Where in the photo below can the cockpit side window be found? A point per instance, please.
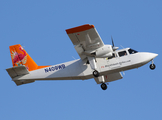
(131, 51)
(123, 53)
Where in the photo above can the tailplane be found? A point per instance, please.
(19, 71)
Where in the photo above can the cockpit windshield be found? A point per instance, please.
(131, 51)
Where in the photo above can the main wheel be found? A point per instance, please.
(152, 66)
(96, 73)
(103, 86)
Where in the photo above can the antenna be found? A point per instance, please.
(73, 58)
(122, 46)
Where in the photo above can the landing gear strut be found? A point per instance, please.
(96, 73)
(152, 66)
(103, 86)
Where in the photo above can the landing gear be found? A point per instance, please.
(103, 86)
(152, 66)
(96, 73)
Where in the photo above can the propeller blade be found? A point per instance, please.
(113, 46)
(112, 41)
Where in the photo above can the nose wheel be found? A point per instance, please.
(152, 66)
(103, 86)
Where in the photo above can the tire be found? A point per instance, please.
(96, 73)
(152, 66)
(103, 86)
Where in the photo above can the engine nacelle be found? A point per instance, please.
(105, 51)
(106, 55)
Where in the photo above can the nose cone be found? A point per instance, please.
(153, 55)
(147, 57)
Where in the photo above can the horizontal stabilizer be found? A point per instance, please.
(17, 71)
(20, 82)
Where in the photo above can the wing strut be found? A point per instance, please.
(92, 63)
(93, 66)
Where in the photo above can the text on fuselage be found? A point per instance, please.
(54, 68)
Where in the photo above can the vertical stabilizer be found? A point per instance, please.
(20, 57)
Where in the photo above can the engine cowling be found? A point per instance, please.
(105, 51)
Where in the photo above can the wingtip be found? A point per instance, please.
(79, 28)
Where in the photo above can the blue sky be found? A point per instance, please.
(39, 26)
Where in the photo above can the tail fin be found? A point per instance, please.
(20, 57)
(22, 64)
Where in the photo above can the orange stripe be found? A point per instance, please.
(39, 67)
(79, 28)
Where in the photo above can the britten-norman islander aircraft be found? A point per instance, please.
(99, 61)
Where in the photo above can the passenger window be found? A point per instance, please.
(123, 53)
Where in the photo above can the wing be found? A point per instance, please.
(85, 38)
(109, 78)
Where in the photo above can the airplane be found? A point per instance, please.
(97, 60)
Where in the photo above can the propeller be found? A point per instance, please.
(112, 41)
(113, 47)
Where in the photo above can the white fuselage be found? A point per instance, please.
(81, 70)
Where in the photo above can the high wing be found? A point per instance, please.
(85, 38)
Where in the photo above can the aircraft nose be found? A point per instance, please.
(153, 55)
